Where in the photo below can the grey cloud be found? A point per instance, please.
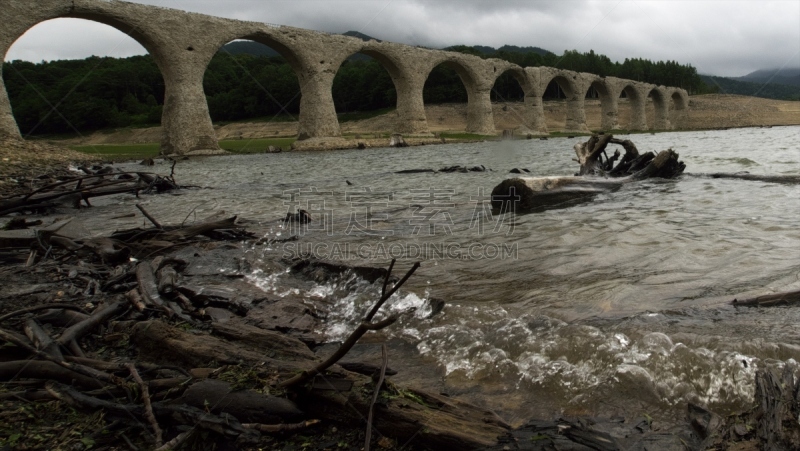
(720, 37)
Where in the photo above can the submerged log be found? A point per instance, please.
(595, 176)
(784, 179)
(770, 300)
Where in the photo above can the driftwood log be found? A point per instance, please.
(597, 174)
(72, 191)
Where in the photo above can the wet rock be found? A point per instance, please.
(237, 296)
(437, 305)
(704, 422)
(302, 217)
(323, 271)
(219, 260)
(218, 315)
(287, 315)
(519, 171)
(397, 141)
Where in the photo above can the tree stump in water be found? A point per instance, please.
(597, 174)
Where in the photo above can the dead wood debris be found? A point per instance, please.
(129, 293)
(76, 189)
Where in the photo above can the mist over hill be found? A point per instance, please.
(761, 83)
(785, 76)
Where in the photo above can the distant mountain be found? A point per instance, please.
(516, 49)
(360, 35)
(790, 76)
(757, 89)
(248, 48)
(257, 49)
(486, 50)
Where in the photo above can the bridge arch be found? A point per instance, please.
(657, 109)
(634, 117)
(478, 102)
(678, 107)
(186, 125)
(518, 117)
(410, 111)
(97, 93)
(22, 20)
(569, 84)
(608, 106)
(183, 52)
(314, 120)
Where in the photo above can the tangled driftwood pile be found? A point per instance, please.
(597, 174)
(141, 326)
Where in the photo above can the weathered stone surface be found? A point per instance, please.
(288, 315)
(183, 43)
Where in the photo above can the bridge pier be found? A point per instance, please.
(480, 118)
(661, 108)
(317, 110)
(677, 104)
(576, 114)
(609, 108)
(534, 113)
(185, 122)
(8, 125)
(411, 118)
(638, 103)
(183, 43)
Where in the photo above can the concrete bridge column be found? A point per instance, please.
(534, 105)
(609, 107)
(480, 119)
(661, 120)
(8, 125)
(185, 121)
(317, 110)
(411, 118)
(534, 113)
(638, 114)
(576, 114)
(16, 19)
(677, 104)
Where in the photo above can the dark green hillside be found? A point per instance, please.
(769, 90)
(790, 76)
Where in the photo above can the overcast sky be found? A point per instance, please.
(719, 37)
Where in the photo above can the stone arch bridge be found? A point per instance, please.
(183, 43)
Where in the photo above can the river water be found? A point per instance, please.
(615, 304)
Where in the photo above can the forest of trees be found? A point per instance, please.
(63, 97)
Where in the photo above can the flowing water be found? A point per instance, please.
(605, 306)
